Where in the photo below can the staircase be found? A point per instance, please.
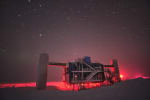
(91, 75)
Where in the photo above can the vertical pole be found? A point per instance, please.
(117, 73)
(42, 71)
(82, 72)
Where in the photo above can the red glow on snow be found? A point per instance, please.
(16, 85)
(141, 76)
(64, 86)
(125, 76)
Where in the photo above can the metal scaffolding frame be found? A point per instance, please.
(79, 72)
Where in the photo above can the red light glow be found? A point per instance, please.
(141, 76)
(64, 86)
(121, 76)
(16, 85)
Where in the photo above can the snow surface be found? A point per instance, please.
(135, 89)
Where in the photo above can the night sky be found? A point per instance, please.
(68, 29)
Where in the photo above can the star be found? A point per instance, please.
(18, 15)
(41, 35)
(40, 5)
(29, 1)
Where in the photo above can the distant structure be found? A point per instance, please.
(80, 72)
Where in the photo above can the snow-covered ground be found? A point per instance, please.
(135, 89)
